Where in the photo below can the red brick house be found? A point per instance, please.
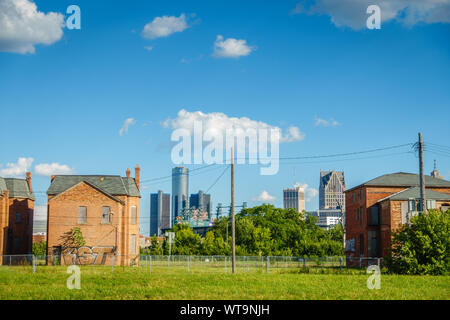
(105, 209)
(376, 208)
(16, 215)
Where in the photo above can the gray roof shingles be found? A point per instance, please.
(18, 188)
(414, 193)
(113, 185)
(402, 179)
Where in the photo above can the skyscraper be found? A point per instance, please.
(180, 192)
(331, 189)
(159, 212)
(294, 198)
(201, 201)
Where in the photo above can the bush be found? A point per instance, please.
(423, 247)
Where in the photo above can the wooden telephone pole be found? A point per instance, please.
(233, 222)
(423, 199)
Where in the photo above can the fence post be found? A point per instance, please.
(378, 262)
(189, 262)
(304, 262)
(34, 263)
(268, 264)
(150, 265)
(341, 262)
(112, 264)
(360, 262)
(225, 264)
(10, 261)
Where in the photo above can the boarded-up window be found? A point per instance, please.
(133, 244)
(133, 215)
(106, 214)
(374, 216)
(361, 245)
(82, 215)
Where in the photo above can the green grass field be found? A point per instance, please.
(98, 282)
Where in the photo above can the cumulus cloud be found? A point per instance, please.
(216, 123)
(352, 13)
(326, 123)
(127, 123)
(310, 193)
(231, 48)
(264, 197)
(48, 169)
(22, 26)
(17, 169)
(164, 26)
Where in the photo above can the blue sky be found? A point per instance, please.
(66, 102)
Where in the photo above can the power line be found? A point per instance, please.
(217, 180)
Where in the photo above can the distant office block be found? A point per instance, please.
(201, 201)
(331, 190)
(180, 192)
(294, 198)
(159, 212)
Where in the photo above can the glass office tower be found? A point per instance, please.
(159, 212)
(180, 192)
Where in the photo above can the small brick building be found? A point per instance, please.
(376, 208)
(105, 209)
(16, 215)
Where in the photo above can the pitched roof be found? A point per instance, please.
(113, 185)
(325, 177)
(414, 193)
(403, 179)
(18, 188)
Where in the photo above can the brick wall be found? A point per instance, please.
(63, 217)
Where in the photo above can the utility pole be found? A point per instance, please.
(233, 222)
(423, 199)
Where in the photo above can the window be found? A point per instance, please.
(82, 215)
(106, 214)
(361, 245)
(431, 204)
(412, 205)
(133, 215)
(356, 214)
(133, 244)
(18, 218)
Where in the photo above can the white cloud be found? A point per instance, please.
(326, 123)
(48, 169)
(216, 123)
(22, 26)
(231, 48)
(310, 193)
(164, 26)
(127, 123)
(18, 169)
(148, 48)
(352, 13)
(264, 197)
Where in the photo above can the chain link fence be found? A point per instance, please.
(187, 263)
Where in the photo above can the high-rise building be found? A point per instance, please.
(180, 192)
(331, 190)
(435, 173)
(159, 212)
(201, 201)
(294, 198)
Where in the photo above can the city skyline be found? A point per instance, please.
(108, 96)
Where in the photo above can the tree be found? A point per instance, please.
(72, 239)
(39, 248)
(422, 247)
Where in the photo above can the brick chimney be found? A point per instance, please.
(29, 181)
(52, 177)
(137, 176)
(128, 172)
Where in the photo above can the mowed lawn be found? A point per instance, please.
(138, 283)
